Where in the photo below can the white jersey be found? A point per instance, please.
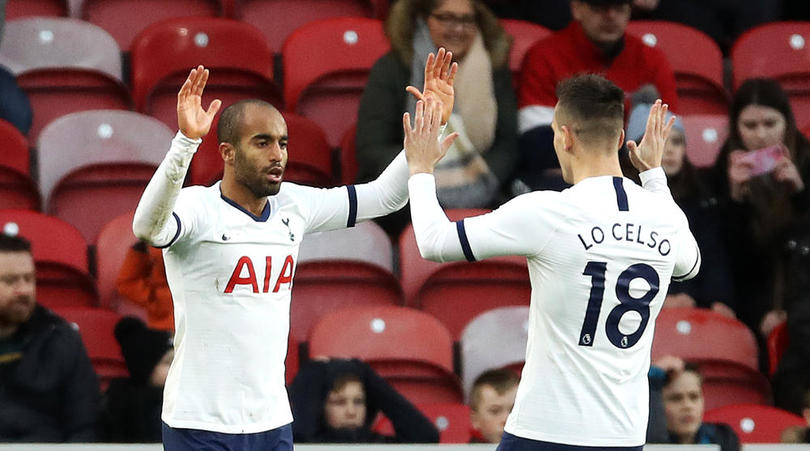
(600, 257)
(231, 274)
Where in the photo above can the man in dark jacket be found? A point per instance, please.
(48, 390)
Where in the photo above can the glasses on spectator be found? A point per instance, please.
(466, 21)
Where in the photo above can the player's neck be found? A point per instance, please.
(240, 194)
(595, 166)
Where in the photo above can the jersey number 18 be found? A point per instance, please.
(596, 270)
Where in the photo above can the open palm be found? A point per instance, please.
(195, 122)
(440, 74)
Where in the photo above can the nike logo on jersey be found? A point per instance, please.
(225, 237)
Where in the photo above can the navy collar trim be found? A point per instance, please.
(265, 212)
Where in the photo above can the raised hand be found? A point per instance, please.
(422, 147)
(440, 74)
(648, 153)
(195, 122)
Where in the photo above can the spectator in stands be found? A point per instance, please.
(482, 160)
(800, 434)
(723, 20)
(142, 280)
(661, 369)
(48, 390)
(683, 403)
(491, 399)
(132, 405)
(710, 289)
(762, 199)
(595, 42)
(15, 107)
(337, 400)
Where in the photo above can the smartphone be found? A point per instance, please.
(764, 160)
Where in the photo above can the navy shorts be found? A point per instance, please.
(174, 439)
(510, 442)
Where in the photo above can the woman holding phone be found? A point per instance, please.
(761, 176)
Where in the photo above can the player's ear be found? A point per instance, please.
(227, 151)
(568, 137)
(621, 139)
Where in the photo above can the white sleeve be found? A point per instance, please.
(687, 261)
(655, 180)
(153, 217)
(509, 230)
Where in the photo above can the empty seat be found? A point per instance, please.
(163, 54)
(409, 348)
(755, 423)
(124, 19)
(63, 65)
(348, 156)
(726, 382)
(705, 136)
(297, 13)
(702, 334)
(342, 268)
(777, 50)
(524, 34)
(96, 327)
(27, 8)
(111, 245)
(493, 339)
(451, 419)
(696, 60)
(326, 65)
(17, 189)
(98, 158)
(60, 255)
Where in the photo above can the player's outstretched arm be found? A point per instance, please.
(152, 216)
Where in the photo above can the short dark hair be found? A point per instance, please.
(688, 367)
(231, 119)
(594, 103)
(14, 243)
(501, 379)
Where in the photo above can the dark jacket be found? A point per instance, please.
(132, 413)
(311, 387)
(715, 433)
(48, 389)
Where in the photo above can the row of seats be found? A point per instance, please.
(124, 19)
(325, 64)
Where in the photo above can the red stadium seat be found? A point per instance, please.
(755, 423)
(342, 268)
(524, 34)
(309, 157)
(326, 65)
(696, 60)
(348, 156)
(701, 334)
(60, 255)
(17, 189)
(96, 327)
(705, 135)
(777, 341)
(27, 8)
(63, 65)
(726, 382)
(162, 55)
(112, 244)
(493, 339)
(409, 348)
(124, 19)
(95, 158)
(291, 362)
(451, 419)
(414, 270)
(778, 50)
(297, 13)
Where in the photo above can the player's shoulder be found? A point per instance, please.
(198, 193)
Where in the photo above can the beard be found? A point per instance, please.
(17, 310)
(255, 179)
